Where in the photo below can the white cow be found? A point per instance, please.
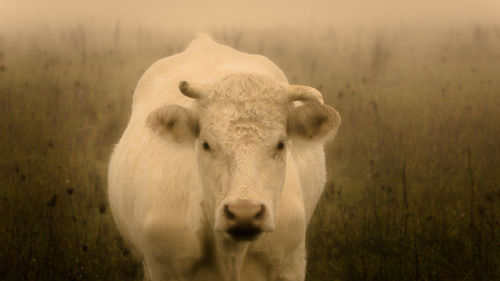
(220, 168)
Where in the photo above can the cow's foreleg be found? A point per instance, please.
(156, 270)
(146, 272)
(294, 269)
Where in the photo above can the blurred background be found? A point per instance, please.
(413, 189)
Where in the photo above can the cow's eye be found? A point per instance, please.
(206, 147)
(280, 145)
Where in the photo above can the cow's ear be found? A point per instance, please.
(175, 121)
(313, 121)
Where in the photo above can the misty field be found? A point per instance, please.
(414, 173)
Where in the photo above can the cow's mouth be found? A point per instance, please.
(244, 232)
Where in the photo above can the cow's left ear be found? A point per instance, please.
(175, 121)
(313, 121)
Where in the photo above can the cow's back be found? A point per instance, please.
(203, 61)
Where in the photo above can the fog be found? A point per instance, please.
(199, 15)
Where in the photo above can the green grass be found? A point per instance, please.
(414, 173)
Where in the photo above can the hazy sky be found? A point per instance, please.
(199, 14)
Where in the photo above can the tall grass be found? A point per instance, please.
(413, 190)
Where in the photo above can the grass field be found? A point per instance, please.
(414, 173)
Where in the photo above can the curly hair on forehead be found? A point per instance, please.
(245, 105)
(248, 86)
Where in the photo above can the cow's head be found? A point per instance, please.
(241, 128)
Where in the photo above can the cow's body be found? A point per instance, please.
(157, 196)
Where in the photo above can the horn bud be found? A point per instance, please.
(192, 90)
(304, 94)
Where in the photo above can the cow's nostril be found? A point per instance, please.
(261, 213)
(228, 214)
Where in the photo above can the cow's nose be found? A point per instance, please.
(243, 211)
(244, 219)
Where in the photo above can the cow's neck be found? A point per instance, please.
(230, 256)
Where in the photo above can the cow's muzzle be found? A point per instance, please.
(244, 219)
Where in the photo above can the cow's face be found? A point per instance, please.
(242, 154)
(242, 128)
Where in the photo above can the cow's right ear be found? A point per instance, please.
(175, 121)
